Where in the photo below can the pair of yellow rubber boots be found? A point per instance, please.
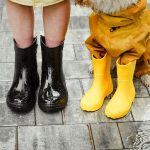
(102, 86)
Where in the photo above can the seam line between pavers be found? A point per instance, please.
(120, 136)
(91, 136)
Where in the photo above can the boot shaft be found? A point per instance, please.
(25, 56)
(26, 64)
(52, 58)
(125, 72)
(125, 75)
(101, 66)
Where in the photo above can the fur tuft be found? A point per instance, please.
(107, 6)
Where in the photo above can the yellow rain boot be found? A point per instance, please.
(120, 104)
(102, 85)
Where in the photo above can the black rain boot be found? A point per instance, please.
(53, 95)
(22, 94)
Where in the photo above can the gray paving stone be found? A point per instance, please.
(81, 52)
(54, 138)
(135, 135)
(141, 90)
(140, 109)
(148, 90)
(38, 25)
(39, 55)
(8, 54)
(76, 69)
(77, 36)
(8, 139)
(79, 22)
(106, 136)
(86, 84)
(74, 89)
(4, 16)
(68, 53)
(73, 114)
(1, 10)
(128, 133)
(7, 70)
(43, 118)
(142, 138)
(6, 41)
(9, 118)
(80, 11)
(38, 12)
(4, 26)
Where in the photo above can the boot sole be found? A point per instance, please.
(21, 109)
(122, 116)
(51, 109)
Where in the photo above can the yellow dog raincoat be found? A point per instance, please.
(125, 34)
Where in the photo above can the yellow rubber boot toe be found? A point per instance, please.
(119, 106)
(102, 85)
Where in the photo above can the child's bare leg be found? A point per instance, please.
(21, 19)
(56, 19)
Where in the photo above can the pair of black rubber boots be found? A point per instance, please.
(53, 95)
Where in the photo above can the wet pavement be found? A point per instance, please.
(70, 129)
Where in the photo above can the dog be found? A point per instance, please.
(110, 7)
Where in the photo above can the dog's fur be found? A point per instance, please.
(110, 7)
(107, 6)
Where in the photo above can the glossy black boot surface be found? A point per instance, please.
(22, 94)
(53, 95)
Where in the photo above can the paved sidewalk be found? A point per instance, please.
(71, 129)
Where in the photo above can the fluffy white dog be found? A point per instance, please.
(111, 6)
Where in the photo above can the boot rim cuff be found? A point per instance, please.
(42, 39)
(29, 47)
(99, 59)
(124, 66)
